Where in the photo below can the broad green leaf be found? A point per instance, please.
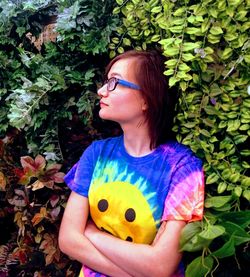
(190, 240)
(205, 133)
(199, 267)
(239, 234)
(217, 201)
(241, 218)
(226, 250)
(212, 232)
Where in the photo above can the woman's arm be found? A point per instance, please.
(159, 259)
(73, 242)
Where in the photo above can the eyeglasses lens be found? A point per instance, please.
(111, 84)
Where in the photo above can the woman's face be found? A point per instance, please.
(123, 104)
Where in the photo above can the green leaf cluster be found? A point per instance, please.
(42, 88)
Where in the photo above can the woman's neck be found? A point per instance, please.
(137, 140)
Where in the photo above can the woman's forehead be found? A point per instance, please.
(123, 68)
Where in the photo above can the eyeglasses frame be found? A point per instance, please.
(123, 83)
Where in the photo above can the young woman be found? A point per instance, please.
(133, 194)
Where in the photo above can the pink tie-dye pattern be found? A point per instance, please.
(185, 201)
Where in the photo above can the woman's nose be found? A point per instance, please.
(102, 91)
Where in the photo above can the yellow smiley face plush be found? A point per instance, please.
(121, 209)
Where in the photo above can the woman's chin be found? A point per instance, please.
(103, 115)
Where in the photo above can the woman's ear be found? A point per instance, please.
(144, 105)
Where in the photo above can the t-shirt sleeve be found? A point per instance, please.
(185, 199)
(79, 176)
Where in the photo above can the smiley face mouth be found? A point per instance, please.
(104, 230)
(127, 239)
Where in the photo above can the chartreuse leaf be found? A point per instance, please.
(217, 201)
(212, 232)
(212, 178)
(199, 267)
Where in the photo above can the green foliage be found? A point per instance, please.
(47, 99)
(207, 49)
(43, 87)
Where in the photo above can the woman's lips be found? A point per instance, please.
(102, 104)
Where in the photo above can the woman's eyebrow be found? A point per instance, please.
(114, 74)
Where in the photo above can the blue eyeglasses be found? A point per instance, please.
(113, 82)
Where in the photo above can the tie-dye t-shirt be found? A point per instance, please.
(130, 196)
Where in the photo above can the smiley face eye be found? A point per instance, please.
(129, 238)
(130, 215)
(103, 205)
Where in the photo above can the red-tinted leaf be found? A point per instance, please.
(54, 200)
(21, 254)
(58, 177)
(49, 184)
(38, 217)
(20, 193)
(25, 178)
(54, 167)
(18, 172)
(37, 185)
(34, 165)
(55, 212)
(28, 162)
(40, 162)
(2, 181)
(19, 200)
(50, 257)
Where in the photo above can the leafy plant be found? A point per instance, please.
(31, 208)
(47, 106)
(43, 87)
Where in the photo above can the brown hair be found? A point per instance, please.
(149, 68)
